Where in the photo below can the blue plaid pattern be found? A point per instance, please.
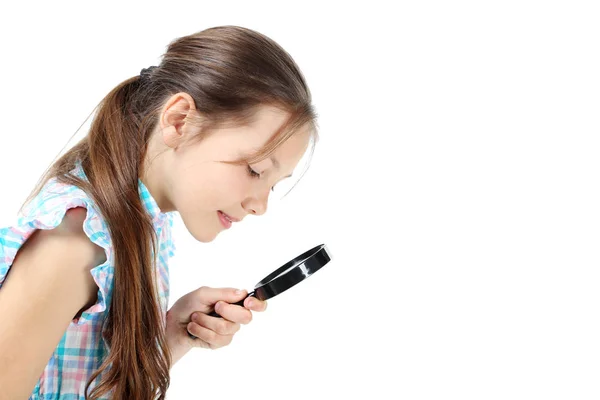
(82, 348)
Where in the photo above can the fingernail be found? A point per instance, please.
(217, 306)
(238, 292)
(194, 317)
(250, 303)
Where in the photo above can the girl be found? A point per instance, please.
(207, 133)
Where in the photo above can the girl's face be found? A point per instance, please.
(193, 179)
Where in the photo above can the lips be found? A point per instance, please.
(230, 218)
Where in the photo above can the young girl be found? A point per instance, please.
(83, 274)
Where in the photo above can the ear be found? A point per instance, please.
(175, 119)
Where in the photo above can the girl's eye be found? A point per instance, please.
(255, 174)
(252, 172)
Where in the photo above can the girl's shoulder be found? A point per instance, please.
(46, 211)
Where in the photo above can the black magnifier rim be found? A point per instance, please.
(307, 264)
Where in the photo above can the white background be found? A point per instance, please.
(455, 183)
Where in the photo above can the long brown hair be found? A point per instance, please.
(229, 71)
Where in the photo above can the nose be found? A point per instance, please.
(258, 204)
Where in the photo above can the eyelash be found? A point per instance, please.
(255, 174)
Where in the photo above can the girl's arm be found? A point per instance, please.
(47, 285)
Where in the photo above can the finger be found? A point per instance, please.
(212, 338)
(210, 296)
(219, 325)
(254, 304)
(233, 313)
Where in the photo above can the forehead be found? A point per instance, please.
(266, 123)
(234, 143)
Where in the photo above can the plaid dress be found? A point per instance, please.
(82, 348)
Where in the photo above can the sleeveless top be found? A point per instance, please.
(82, 348)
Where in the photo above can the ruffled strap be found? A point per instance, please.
(46, 211)
(171, 243)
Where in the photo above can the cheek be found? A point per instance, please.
(208, 190)
(196, 207)
(221, 190)
(198, 202)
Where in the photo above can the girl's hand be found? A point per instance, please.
(190, 314)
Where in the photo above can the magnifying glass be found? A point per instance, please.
(288, 275)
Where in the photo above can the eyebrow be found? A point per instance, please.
(276, 164)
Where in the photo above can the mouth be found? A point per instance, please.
(229, 217)
(226, 220)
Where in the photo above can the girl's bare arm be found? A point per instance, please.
(48, 284)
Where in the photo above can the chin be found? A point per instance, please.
(200, 234)
(204, 237)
